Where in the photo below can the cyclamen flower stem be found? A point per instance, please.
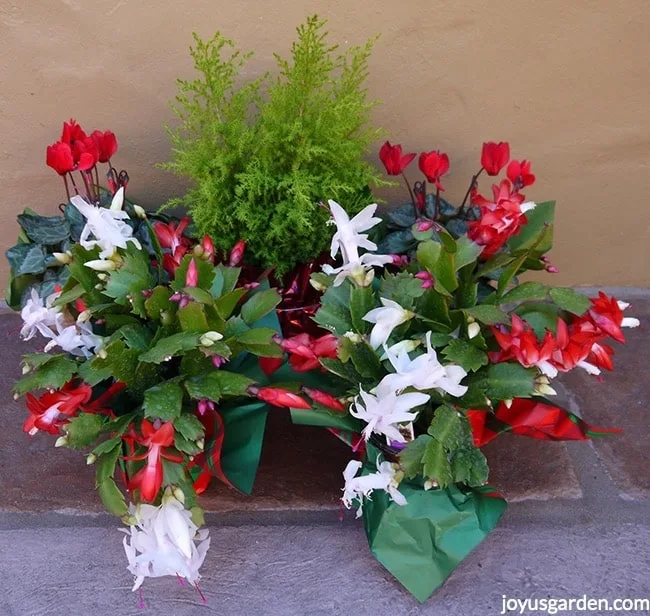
(74, 184)
(472, 184)
(436, 206)
(413, 201)
(67, 189)
(97, 181)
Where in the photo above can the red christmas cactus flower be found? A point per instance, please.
(519, 174)
(99, 404)
(521, 343)
(106, 143)
(322, 397)
(171, 261)
(606, 314)
(392, 158)
(279, 397)
(53, 410)
(170, 235)
(531, 418)
(150, 477)
(434, 165)
(305, 350)
(500, 219)
(495, 156)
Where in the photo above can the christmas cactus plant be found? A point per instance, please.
(427, 362)
(150, 358)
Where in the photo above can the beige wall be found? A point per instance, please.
(565, 81)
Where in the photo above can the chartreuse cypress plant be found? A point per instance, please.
(264, 154)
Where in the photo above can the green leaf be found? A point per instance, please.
(135, 335)
(105, 465)
(126, 284)
(215, 385)
(569, 300)
(35, 360)
(107, 446)
(466, 252)
(112, 498)
(83, 430)
(225, 280)
(450, 428)
(159, 302)
(171, 346)
(469, 466)
(542, 215)
(490, 315)
(436, 463)
(47, 230)
(434, 307)
(402, 288)
(163, 401)
(259, 341)
(497, 262)
(337, 367)
(410, 458)
(192, 318)
(510, 380)
(121, 361)
(465, 354)
(362, 301)
(26, 259)
(52, 374)
(189, 426)
(228, 302)
(199, 295)
(526, 291)
(70, 295)
(322, 279)
(365, 360)
(334, 313)
(259, 305)
(440, 263)
(93, 375)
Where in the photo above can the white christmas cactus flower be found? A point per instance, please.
(386, 319)
(77, 339)
(384, 413)
(163, 541)
(358, 488)
(627, 321)
(106, 225)
(424, 372)
(348, 239)
(38, 315)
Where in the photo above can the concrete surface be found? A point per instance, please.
(578, 521)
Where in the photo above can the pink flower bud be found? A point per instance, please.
(425, 225)
(551, 269)
(218, 361)
(400, 260)
(279, 397)
(192, 275)
(427, 279)
(208, 247)
(237, 253)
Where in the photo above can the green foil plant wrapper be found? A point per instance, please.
(422, 542)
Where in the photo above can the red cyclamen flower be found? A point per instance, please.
(106, 144)
(495, 156)
(392, 158)
(519, 174)
(434, 165)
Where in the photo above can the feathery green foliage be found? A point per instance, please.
(265, 154)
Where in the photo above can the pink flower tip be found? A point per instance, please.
(425, 225)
